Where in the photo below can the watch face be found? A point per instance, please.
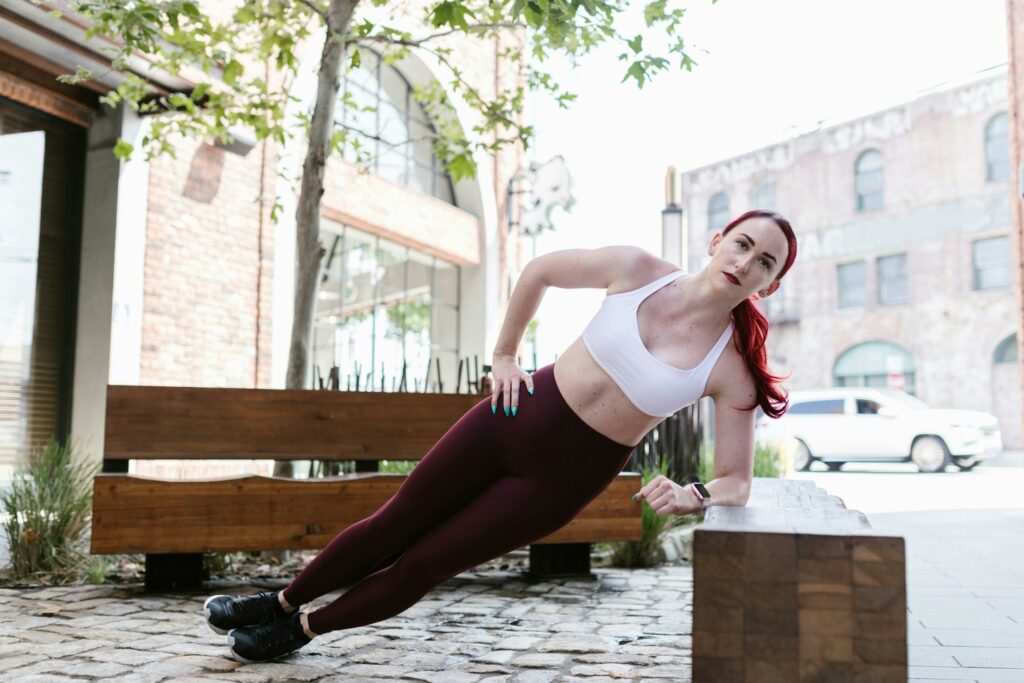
(701, 489)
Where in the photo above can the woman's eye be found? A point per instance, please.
(764, 262)
(741, 243)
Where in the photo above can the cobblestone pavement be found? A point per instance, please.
(490, 627)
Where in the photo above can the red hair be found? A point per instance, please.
(752, 328)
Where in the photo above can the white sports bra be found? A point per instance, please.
(654, 387)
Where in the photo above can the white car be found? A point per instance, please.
(849, 424)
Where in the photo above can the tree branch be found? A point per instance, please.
(417, 42)
(315, 8)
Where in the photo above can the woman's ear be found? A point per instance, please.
(769, 290)
(716, 239)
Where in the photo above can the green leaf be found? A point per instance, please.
(123, 149)
(232, 71)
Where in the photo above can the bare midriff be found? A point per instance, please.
(598, 401)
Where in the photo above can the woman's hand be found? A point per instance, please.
(506, 377)
(669, 498)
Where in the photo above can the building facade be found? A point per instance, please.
(173, 272)
(904, 277)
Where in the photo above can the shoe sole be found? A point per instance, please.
(206, 613)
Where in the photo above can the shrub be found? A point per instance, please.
(47, 512)
(646, 551)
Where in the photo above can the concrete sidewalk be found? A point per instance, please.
(965, 592)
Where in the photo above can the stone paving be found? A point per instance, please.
(491, 627)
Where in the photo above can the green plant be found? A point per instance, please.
(47, 512)
(644, 553)
(770, 460)
(398, 466)
(98, 568)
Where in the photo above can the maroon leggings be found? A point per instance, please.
(490, 485)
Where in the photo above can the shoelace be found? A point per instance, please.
(252, 606)
(273, 636)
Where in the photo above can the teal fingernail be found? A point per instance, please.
(530, 389)
(514, 410)
(494, 409)
(634, 496)
(506, 411)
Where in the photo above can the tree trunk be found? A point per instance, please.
(309, 252)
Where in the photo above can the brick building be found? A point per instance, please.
(172, 272)
(904, 276)
(1015, 47)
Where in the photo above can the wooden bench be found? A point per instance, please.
(173, 522)
(795, 587)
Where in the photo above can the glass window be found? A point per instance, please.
(1006, 352)
(826, 407)
(892, 279)
(991, 262)
(763, 197)
(718, 212)
(869, 177)
(381, 307)
(397, 138)
(875, 364)
(852, 284)
(997, 148)
(867, 407)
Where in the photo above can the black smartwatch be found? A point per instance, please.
(703, 494)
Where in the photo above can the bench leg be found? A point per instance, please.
(559, 561)
(174, 570)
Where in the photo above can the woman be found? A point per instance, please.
(498, 480)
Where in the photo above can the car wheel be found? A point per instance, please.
(966, 468)
(930, 454)
(835, 466)
(802, 458)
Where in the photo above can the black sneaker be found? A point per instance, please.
(266, 642)
(225, 612)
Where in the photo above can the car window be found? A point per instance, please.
(867, 407)
(824, 407)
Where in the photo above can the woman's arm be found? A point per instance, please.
(569, 269)
(734, 450)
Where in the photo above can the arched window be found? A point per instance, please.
(1006, 351)
(869, 180)
(398, 136)
(718, 212)
(875, 364)
(997, 147)
(763, 197)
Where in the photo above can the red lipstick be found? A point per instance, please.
(731, 278)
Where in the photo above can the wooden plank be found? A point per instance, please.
(137, 515)
(200, 423)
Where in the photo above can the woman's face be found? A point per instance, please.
(747, 260)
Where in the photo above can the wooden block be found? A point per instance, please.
(879, 598)
(717, 670)
(879, 573)
(880, 673)
(817, 570)
(838, 596)
(718, 566)
(770, 595)
(770, 622)
(879, 651)
(881, 625)
(717, 644)
(717, 593)
(826, 672)
(824, 547)
(717, 619)
(766, 545)
(707, 541)
(817, 648)
(758, 646)
(878, 548)
(826, 622)
(770, 671)
(767, 567)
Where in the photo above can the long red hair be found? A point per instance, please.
(752, 328)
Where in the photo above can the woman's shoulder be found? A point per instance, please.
(731, 378)
(644, 268)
